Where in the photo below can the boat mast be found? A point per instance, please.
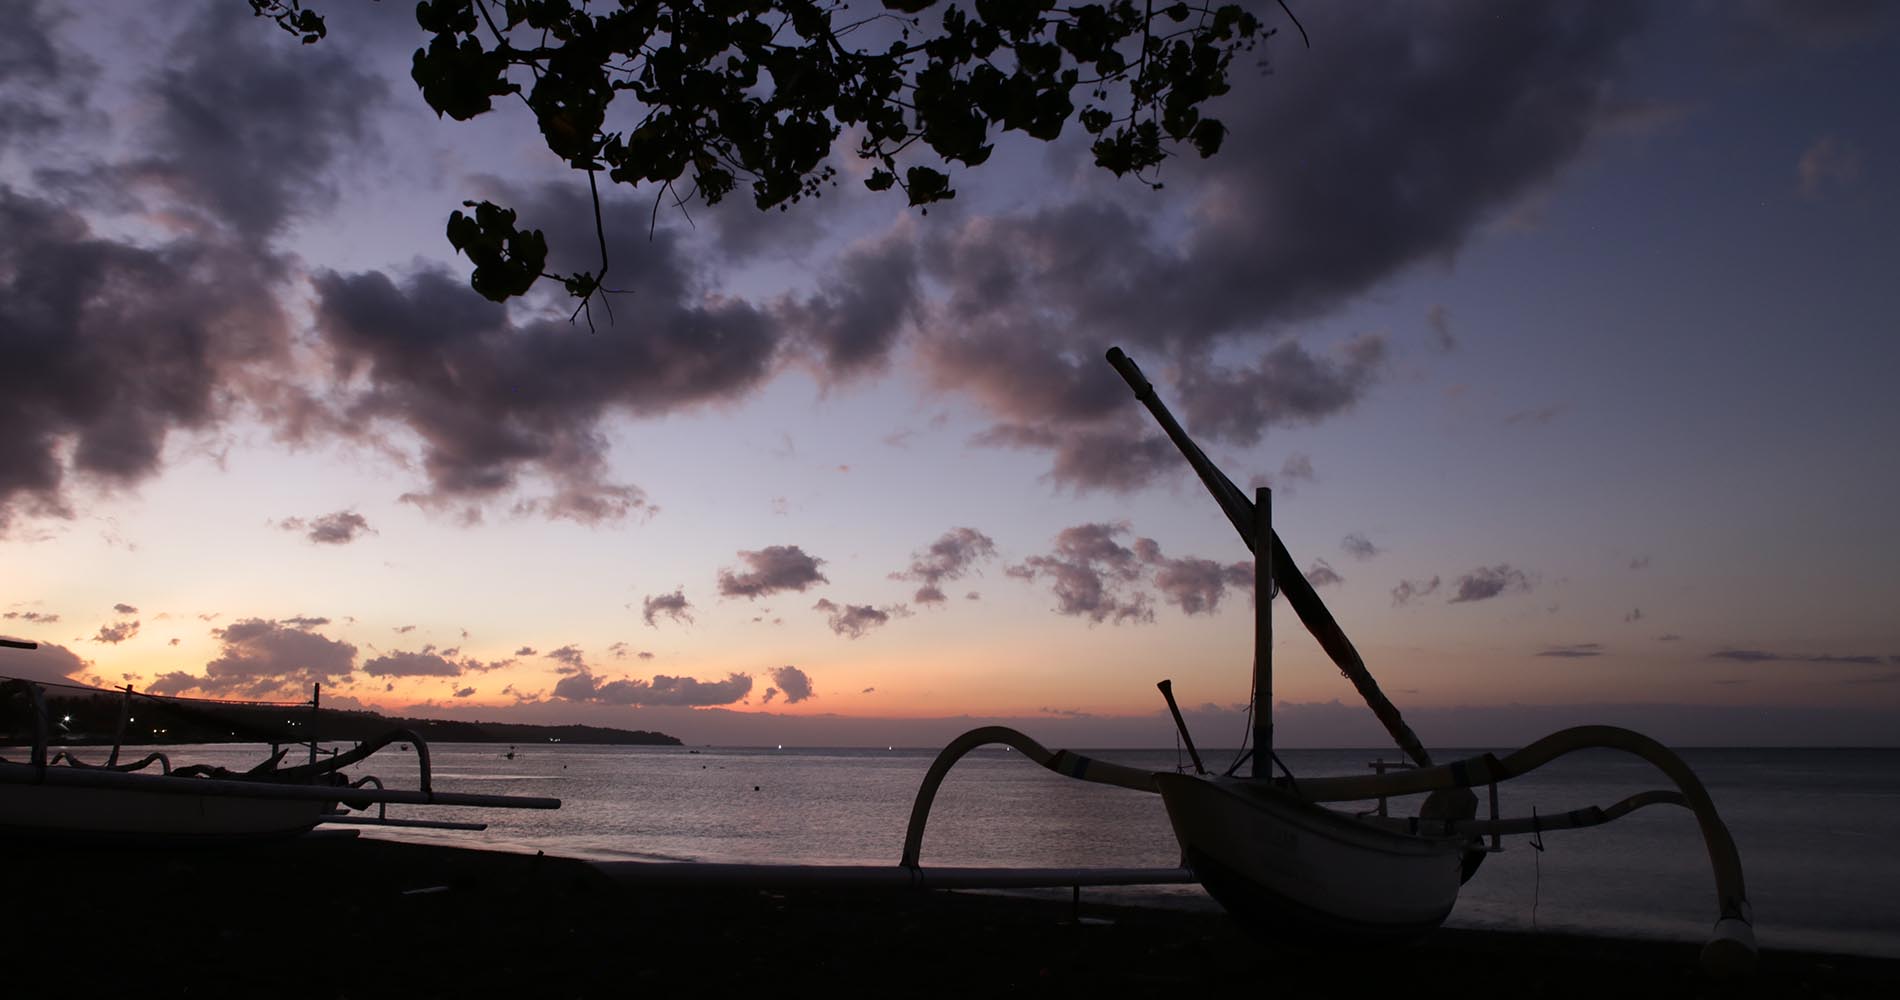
(1299, 593)
(1263, 636)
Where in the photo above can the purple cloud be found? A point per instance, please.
(423, 663)
(1090, 574)
(117, 632)
(948, 558)
(1574, 651)
(1322, 574)
(770, 570)
(1192, 584)
(338, 528)
(662, 690)
(793, 683)
(853, 620)
(1409, 590)
(673, 605)
(1359, 546)
(1486, 582)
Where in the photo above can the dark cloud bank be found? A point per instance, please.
(1416, 125)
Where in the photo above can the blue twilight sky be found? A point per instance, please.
(1564, 333)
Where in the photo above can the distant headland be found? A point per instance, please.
(93, 719)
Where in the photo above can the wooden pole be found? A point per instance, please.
(1263, 635)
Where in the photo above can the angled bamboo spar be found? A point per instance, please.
(1299, 593)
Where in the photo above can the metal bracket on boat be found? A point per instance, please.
(1730, 950)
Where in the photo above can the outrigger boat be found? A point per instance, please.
(1272, 852)
(55, 795)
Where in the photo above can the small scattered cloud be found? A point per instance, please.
(1193, 584)
(1359, 546)
(423, 663)
(645, 655)
(1574, 651)
(526, 651)
(337, 528)
(1091, 575)
(1438, 318)
(770, 570)
(1486, 582)
(125, 609)
(950, 557)
(1635, 615)
(1829, 165)
(1066, 713)
(619, 650)
(1411, 590)
(1765, 656)
(117, 632)
(1298, 467)
(570, 655)
(402, 629)
(464, 692)
(32, 617)
(853, 620)
(304, 621)
(1669, 637)
(1640, 562)
(869, 690)
(1893, 678)
(1539, 416)
(794, 683)
(673, 605)
(1322, 574)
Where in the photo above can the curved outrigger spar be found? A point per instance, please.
(1272, 853)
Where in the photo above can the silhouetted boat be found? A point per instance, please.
(1274, 854)
(55, 795)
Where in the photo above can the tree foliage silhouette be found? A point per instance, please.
(701, 96)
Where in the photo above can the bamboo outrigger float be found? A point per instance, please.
(1271, 852)
(56, 795)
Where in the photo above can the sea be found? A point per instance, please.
(1817, 829)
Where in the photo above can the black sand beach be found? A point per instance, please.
(338, 917)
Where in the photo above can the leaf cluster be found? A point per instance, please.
(700, 97)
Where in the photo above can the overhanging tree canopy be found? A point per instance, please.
(723, 92)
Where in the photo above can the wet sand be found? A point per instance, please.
(340, 917)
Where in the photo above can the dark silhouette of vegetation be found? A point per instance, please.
(725, 92)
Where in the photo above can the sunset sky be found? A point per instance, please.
(1565, 334)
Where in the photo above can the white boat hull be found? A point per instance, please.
(135, 816)
(1271, 859)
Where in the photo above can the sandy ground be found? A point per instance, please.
(340, 917)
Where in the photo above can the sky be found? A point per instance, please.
(1564, 335)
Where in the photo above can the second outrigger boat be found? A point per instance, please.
(55, 795)
(1272, 851)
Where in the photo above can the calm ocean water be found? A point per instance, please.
(1815, 828)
